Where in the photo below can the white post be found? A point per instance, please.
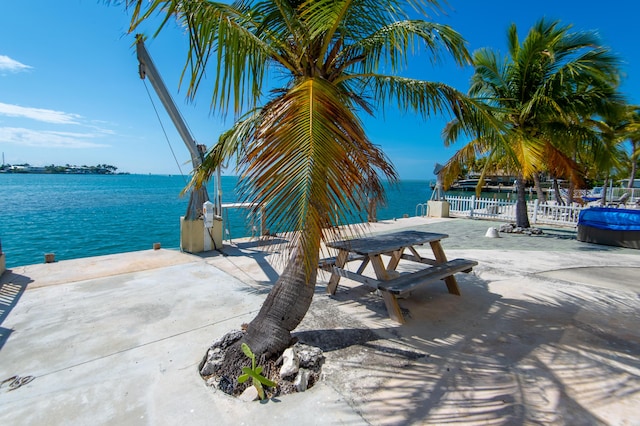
(536, 203)
(218, 196)
(473, 204)
(263, 224)
(208, 213)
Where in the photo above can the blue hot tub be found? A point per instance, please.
(610, 226)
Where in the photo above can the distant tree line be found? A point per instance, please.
(100, 169)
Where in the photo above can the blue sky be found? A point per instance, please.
(70, 91)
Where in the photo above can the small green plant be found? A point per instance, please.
(254, 372)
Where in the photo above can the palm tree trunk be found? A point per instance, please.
(197, 198)
(605, 184)
(572, 187)
(372, 215)
(286, 305)
(522, 217)
(634, 163)
(536, 182)
(556, 193)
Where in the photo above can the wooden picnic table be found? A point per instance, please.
(397, 246)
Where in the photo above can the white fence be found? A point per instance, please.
(505, 210)
(613, 194)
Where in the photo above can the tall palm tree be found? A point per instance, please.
(631, 132)
(601, 154)
(546, 85)
(303, 152)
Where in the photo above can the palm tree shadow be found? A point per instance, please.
(260, 251)
(558, 234)
(483, 357)
(12, 286)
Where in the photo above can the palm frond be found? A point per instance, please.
(231, 143)
(227, 34)
(389, 45)
(310, 162)
(453, 168)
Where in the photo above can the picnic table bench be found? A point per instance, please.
(389, 282)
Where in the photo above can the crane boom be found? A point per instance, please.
(148, 69)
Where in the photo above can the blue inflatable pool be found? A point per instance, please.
(610, 226)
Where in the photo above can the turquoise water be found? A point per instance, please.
(90, 215)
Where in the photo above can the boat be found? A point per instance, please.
(624, 183)
(465, 185)
(594, 194)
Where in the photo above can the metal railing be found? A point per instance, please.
(422, 209)
(505, 210)
(613, 194)
(255, 232)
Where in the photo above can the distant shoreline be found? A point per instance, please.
(100, 169)
(61, 173)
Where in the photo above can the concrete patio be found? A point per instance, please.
(545, 332)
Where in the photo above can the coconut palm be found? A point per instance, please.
(302, 150)
(541, 91)
(631, 132)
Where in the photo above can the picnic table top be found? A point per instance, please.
(385, 243)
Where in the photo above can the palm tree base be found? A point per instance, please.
(225, 359)
(510, 228)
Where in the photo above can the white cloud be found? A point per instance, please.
(8, 64)
(39, 114)
(48, 138)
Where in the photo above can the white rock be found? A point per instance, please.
(302, 380)
(310, 356)
(507, 227)
(492, 233)
(290, 363)
(249, 394)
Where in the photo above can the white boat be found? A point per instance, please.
(465, 185)
(594, 194)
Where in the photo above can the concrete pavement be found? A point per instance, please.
(545, 332)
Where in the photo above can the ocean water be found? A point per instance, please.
(77, 216)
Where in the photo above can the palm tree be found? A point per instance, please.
(303, 152)
(602, 152)
(545, 87)
(631, 132)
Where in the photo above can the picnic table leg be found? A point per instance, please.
(452, 284)
(395, 259)
(415, 254)
(390, 300)
(378, 267)
(393, 308)
(363, 265)
(341, 259)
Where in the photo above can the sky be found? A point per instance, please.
(70, 92)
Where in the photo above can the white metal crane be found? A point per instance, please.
(148, 69)
(197, 197)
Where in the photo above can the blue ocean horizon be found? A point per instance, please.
(76, 216)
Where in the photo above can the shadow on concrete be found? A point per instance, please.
(505, 352)
(12, 286)
(555, 357)
(264, 243)
(260, 252)
(339, 339)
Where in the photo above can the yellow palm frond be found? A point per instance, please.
(310, 163)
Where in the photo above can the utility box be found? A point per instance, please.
(195, 237)
(438, 208)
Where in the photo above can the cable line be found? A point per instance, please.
(165, 132)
